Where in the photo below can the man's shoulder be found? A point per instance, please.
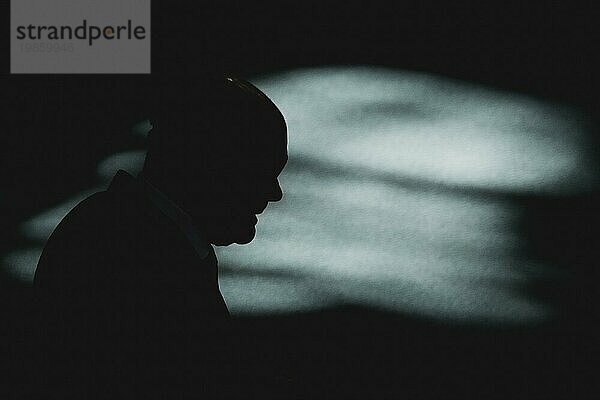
(120, 204)
(97, 203)
(73, 239)
(102, 227)
(101, 209)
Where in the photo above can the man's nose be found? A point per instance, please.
(276, 193)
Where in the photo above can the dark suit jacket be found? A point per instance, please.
(127, 292)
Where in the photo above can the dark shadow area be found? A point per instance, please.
(353, 351)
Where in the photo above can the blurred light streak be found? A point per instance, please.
(20, 264)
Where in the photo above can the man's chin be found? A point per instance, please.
(239, 238)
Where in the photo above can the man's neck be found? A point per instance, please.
(176, 214)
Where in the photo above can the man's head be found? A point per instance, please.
(220, 161)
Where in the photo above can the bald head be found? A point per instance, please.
(219, 158)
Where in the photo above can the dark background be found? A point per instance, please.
(542, 49)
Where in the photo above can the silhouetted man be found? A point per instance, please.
(130, 273)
